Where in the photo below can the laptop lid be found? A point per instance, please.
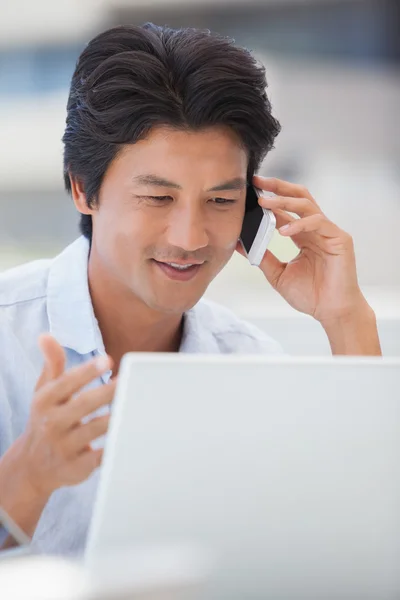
(283, 471)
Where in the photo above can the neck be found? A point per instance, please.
(125, 322)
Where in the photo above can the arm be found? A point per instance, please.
(17, 497)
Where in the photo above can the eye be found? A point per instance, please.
(155, 199)
(222, 201)
(159, 198)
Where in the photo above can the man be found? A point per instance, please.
(165, 129)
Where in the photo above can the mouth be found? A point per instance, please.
(178, 271)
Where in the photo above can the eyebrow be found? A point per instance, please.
(238, 183)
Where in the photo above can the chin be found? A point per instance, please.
(171, 307)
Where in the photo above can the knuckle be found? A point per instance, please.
(100, 425)
(63, 451)
(348, 239)
(77, 378)
(38, 407)
(109, 391)
(89, 462)
(47, 394)
(49, 426)
(88, 371)
(92, 399)
(96, 458)
(41, 397)
(304, 191)
(99, 458)
(319, 218)
(273, 181)
(308, 202)
(331, 245)
(105, 392)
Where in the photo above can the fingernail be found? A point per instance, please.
(102, 363)
(284, 227)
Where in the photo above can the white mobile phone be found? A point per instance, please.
(258, 227)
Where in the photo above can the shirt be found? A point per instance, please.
(52, 295)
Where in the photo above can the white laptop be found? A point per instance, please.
(280, 474)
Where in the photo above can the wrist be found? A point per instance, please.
(357, 316)
(355, 333)
(22, 500)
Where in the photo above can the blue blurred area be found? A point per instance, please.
(31, 70)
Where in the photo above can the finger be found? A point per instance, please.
(282, 188)
(282, 217)
(270, 265)
(54, 359)
(317, 223)
(72, 381)
(88, 461)
(79, 438)
(272, 268)
(300, 206)
(82, 405)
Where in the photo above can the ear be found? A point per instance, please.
(79, 196)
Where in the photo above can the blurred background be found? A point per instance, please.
(333, 69)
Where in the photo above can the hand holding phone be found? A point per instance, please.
(258, 227)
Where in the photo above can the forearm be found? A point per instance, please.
(17, 497)
(355, 335)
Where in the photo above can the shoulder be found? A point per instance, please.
(232, 334)
(24, 283)
(16, 383)
(23, 315)
(23, 311)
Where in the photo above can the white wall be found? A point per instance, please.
(297, 333)
(27, 21)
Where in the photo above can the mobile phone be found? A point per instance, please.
(258, 227)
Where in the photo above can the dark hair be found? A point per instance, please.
(130, 78)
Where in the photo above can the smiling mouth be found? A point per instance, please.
(179, 271)
(180, 266)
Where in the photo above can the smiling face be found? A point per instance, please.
(175, 197)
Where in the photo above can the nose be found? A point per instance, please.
(187, 229)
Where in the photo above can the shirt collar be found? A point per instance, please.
(69, 306)
(70, 311)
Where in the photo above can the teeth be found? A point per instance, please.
(180, 267)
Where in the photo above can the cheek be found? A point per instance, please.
(226, 232)
(230, 247)
(126, 225)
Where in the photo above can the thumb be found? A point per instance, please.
(272, 268)
(54, 359)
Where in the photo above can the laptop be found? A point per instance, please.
(279, 475)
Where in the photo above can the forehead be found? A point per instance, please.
(205, 152)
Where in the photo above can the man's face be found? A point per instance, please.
(175, 197)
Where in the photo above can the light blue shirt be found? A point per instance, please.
(53, 296)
